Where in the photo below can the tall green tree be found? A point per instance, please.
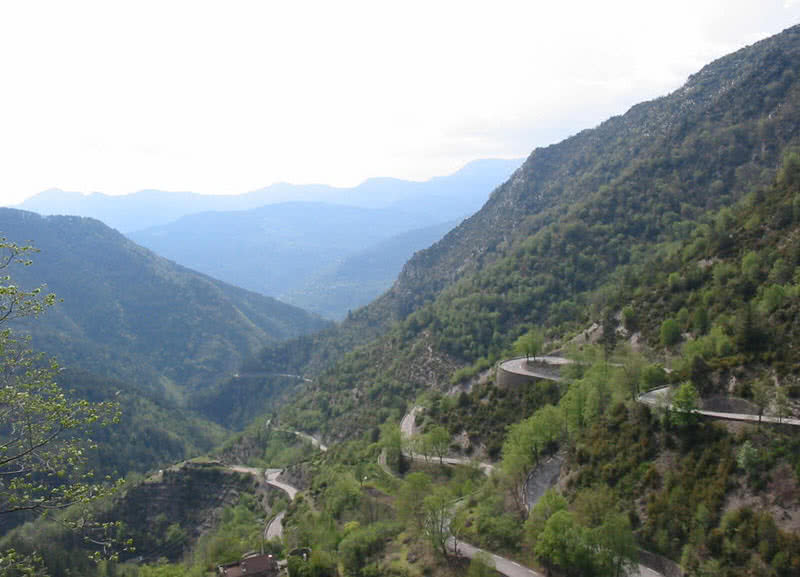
(437, 507)
(530, 344)
(670, 333)
(411, 496)
(762, 394)
(44, 432)
(391, 440)
(684, 403)
(439, 441)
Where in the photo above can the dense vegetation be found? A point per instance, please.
(558, 244)
(129, 314)
(676, 228)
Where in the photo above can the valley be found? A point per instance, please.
(593, 371)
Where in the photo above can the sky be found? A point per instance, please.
(227, 97)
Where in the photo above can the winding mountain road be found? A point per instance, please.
(661, 397)
(654, 397)
(272, 478)
(275, 526)
(505, 566)
(538, 486)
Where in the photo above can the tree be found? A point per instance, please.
(747, 457)
(391, 440)
(608, 337)
(547, 506)
(761, 396)
(530, 344)
(562, 543)
(633, 364)
(42, 457)
(750, 337)
(629, 320)
(420, 445)
(670, 333)
(44, 433)
(782, 406)
(525, 442)
(684, 401)
(701, 321)
(439, 442)
(437, 519)
(410, 497)
(616, 546)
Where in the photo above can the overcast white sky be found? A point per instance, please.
(226, 97)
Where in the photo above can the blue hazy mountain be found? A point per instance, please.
(278, 248)
(466, 190)
(361, 277)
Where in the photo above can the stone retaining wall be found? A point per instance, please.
(507, 379)
(666, 567)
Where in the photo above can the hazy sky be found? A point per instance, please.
(225, 97)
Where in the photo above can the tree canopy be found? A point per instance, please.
(44, 432)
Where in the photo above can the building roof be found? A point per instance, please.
(253, 566)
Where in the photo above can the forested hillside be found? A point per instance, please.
(555, 244)
(130, 314)
(660, 251)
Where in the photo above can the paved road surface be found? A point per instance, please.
(503, 565)
(487, 468)
(312, 439)
(653, 397)
(661, 396)
(248, 470)
(275, 527)
(544, 476)
(522, 367)
(408, 426)
(272, 479)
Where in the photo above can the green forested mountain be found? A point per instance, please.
(130, 314)
(557, 243)
(678, 221)
(152, 431)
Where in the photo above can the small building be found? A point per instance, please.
(251, 565)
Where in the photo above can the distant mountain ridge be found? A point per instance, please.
(147, 208)
(280, 249)
(129, 314)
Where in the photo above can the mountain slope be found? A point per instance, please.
(276, 248)
(701, 146)
(364, 276)
(130, 314)
(553, 245)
